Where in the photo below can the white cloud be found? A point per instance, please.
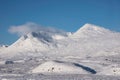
(32, 27)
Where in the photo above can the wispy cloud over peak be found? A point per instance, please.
(32, 27)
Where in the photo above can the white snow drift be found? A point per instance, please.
(62, 68)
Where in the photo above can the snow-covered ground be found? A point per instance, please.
(59, 77)
(60, 67)
(92, 53)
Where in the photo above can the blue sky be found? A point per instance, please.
(68, 15)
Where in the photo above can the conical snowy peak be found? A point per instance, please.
(92, 27)
(34, 42)
(89, 30)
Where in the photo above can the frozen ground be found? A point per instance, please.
(21, 70)
(58, 77)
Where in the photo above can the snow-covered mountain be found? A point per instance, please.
(90, 30)
(34, 42)
(91, 40)
(89, 50)
(88, 41)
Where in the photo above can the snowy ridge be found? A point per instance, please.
(90, 30)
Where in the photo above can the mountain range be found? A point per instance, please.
(89, 40)
(83, 47)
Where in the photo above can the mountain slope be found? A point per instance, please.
(2, 47)
(88, 41)
(91, 40)
(90, 30)
(34, 42)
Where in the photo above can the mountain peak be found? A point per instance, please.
(89, 30)
(92, 27)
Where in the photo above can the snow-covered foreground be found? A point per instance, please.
(66, 69)
(59, 77)
(61, 67)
